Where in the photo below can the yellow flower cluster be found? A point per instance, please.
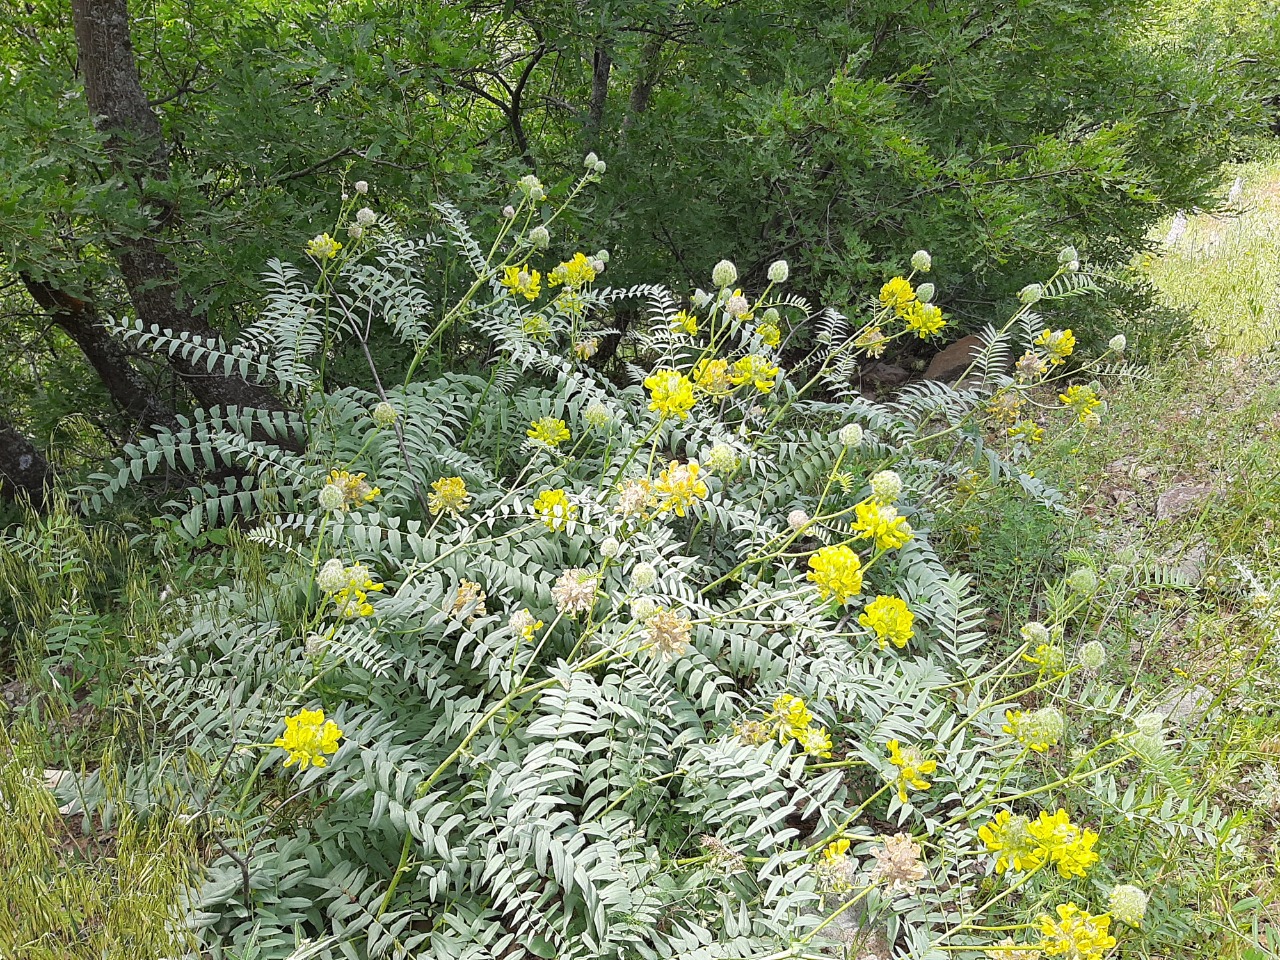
(1027, 431)
(711, 376)
(323, 247)
(353, 599)
(670, 393)
(792, 720)
(1029, 844)
(770, 334)
(890, 619)
(1081, 401)
(1076, 934)
(308, 736)
(554, 508)
(897, 295)
(1058, 344)
(574, 273)
(912, 768)
(522, 282)
(448, 495)
(549, 431)
(355, 489)
(686, 321)
(923, 319)
(678, 487)
(837, 570)
(880, 522)
(756, 370)
(872, 340)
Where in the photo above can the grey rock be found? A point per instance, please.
(1183, 499)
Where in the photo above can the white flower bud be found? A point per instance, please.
(1117, 343)
(643, 576)
(332, 497)
(355, 231)
(850, 435)
(1067, 254)
(384, 414)
(886, 486)
(724, 273)
(720, 458)
(590, 160)
(642, 608)
(1073, 266)
(779, 270)
(610, 547)
(529, 185)
(362, 187)
(1031, 293)
(1035, 633)
(797, 519)
(597, 266)
(700, 299)
(600, 166)
(925, 292)
(509, 212)
(540, 237)
(1083, 580)
(332, 576)
(1150, 724)
(1093, 655)
(602, 256)
(921, 261)
(736, 305)
(1128, 904)
(365, 217)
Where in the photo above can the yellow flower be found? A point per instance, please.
(1031, 366)
(791, 715)
(573, 273)
(890, 619)
(1027, 431)
(1076, 934)
(536, 327)
(308, 736)
(872, 340)
(711, 376)
(769, 334)
(323, 247)
(1005, 405)
(795, 722)
(352, 600)
(837, 570)
(1007, 834)
(686, 321)
(670, 393)
(1039, 730)
(756, 370)
(1080, 400)
(897, 293)
(550, 431)
(923, 319)
(355, 490)
(881, 523)
(678, 487)
(1058, 344)
(912, 768)
(1068, 846)
(1049, 658)
(522, 281)
(837, 848)
(555, 509)
(448, 495)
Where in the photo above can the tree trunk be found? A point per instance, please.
(135, 143)
(130, 392)
(24, 472)
(601, 67)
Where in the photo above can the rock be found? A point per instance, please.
(953, 360)
(1186, 707)
(1182, 499)
(885, 373)
(1187, 563)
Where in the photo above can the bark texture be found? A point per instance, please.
(136, 145)
(25, 474)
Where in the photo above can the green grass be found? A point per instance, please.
(1210, 415)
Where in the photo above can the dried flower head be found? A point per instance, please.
(668, 632)
(898, 864)
(468, 602)
(574, 592)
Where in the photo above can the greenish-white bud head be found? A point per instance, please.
(724, 274)
(921, 262)
(925, 292)
(850, 435)
(540, 237)
(779, 270)
(1031, 293)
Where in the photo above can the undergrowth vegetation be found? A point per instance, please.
(543, 663)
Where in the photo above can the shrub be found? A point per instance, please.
(539, 663)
